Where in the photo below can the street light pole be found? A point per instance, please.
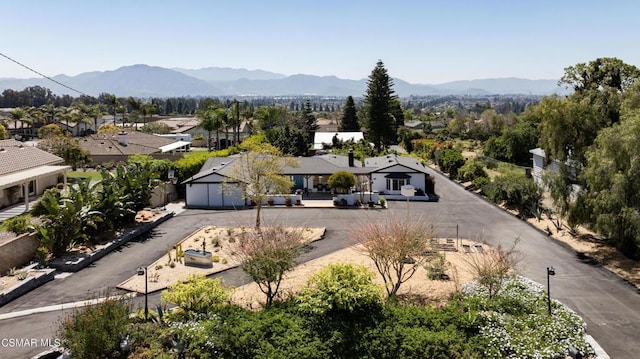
(142, 271)
(550, 272)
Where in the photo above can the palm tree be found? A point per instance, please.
(148, 109)
(19, 114)
(247, 113)
(136, 108)
(95, 112)
(49, 113)
(114, 104)
(211, 121)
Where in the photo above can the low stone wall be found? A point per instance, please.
(38, 278)
(18, 251)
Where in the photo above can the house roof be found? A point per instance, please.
(20, 177)
(383, 162)
(313, 166)
(538, 152)
(136, 143)
(16, 157)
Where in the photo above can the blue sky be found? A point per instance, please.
(419, 41)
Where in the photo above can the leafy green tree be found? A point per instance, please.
(68, 149)
(349, 122)
(601, 84)
(342, 181)
(3, 132)
(94, 331)
(50, 130)
(267, 254)
(450, 160)
(516, 191)
(340, 287)
(396, 246)
(472, 168)
(611, 196)
(197, 295)
(378, 106)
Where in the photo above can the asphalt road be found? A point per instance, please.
(610, 307)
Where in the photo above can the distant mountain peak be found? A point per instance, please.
(142, 80)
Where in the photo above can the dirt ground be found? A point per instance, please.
(420, 289)
(220, 241)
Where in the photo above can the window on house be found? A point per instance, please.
(395, 184)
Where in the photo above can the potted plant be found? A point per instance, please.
(270, 201)
(288, 202)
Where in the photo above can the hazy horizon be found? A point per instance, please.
(421, 42)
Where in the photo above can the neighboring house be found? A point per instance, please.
(540, 165)
(189, 125)
(27, 171)
(118, 147)
(320, 139)
(83, 129)
(386, 174)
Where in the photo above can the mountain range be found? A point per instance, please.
(145, 81)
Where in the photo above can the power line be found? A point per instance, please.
(43, 75)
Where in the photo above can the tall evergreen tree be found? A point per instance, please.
(378, 102)
(349, 121)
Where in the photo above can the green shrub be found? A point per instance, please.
(342, 181)
(197, 295)
(94, 331)
(471, 170)
(480, 182)
(340, 287)
(450, 160)
(19, 224)
(517, 191)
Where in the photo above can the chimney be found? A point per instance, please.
(123, 138)
(351, 158)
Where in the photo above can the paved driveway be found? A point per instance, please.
(610, 307)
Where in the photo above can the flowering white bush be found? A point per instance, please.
(517, 325)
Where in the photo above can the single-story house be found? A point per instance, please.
(384, 175)
(118, 147)
(320, 139)
(189, 125)
(27, 171)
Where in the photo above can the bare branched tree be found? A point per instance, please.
(260, 172)
(494, 267)
(398, 247)
(268, 253)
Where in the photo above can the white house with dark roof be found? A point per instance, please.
(27, 171)
(391, 172)
(384, 174)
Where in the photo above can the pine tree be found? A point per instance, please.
(349, 121)
(378, 101)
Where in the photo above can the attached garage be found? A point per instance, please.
(209, 189)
